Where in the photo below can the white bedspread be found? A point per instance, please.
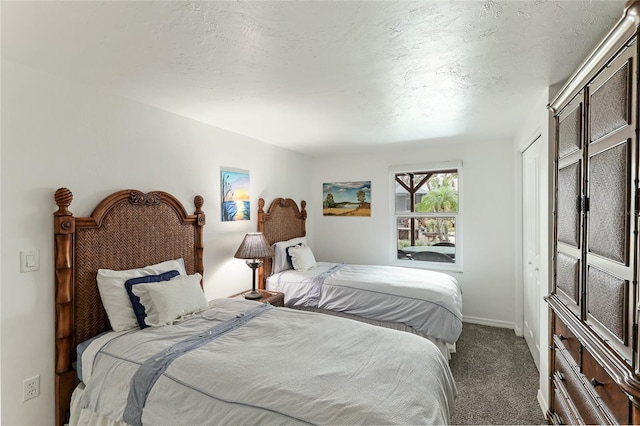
(283, 366)
(428, 301)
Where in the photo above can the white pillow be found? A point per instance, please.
(302, 258)
(167, 301)
(280, 249)
(114, 295)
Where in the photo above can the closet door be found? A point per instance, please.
(569, 199)
(609, 305)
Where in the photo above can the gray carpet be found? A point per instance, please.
(496, 378)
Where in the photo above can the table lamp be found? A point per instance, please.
(254, 248)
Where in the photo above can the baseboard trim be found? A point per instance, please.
(493, 323)
(543, 403)
(519, 332)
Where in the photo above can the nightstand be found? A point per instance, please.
(275, 298)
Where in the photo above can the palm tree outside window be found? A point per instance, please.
(427, 215)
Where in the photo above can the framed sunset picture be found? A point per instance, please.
(236, 202)
(346, 198)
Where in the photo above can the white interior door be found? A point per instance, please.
(532, 185)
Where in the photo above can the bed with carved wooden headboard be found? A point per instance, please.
(128, 229)
(218, 361)
(423, 302)
(283, 221)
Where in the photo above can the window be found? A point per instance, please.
(426, 216)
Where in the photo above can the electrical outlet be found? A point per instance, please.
(30, 388)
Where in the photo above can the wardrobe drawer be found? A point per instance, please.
(612, 396)
(576, 387)
(568, 340)
(564, 412)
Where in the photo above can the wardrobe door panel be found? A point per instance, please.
(570, 132)
(610, 104)
(568, 281)
(607, 303)
(568, 202)
(609, 203)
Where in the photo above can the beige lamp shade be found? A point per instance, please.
(254, 246)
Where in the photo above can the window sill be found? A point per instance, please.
(432, 266)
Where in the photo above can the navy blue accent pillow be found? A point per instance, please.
(138, 309)
(289, 260)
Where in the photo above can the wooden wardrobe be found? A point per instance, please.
(594, 350)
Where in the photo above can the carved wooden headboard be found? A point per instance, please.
(281, 222)
(128, 229)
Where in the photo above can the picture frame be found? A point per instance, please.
(235, 199)
(346, 198)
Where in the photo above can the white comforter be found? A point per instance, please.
(283, 366)
(428, 301)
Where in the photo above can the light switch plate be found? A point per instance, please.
(29, 260)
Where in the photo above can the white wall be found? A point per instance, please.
(536, 125)
(488, 214)
(56, 133)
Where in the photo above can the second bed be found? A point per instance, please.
(423, 302)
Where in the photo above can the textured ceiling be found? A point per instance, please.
(322, 75)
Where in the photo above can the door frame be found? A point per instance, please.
(537, 124)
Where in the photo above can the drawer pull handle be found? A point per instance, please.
(561, 337)
(596, 383)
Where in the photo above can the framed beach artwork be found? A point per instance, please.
(236, 202)
(346, 198)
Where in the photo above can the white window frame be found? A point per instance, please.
(393, 252)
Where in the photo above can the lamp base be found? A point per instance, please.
(253, 295)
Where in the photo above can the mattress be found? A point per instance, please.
(428, 301)
(278, 366)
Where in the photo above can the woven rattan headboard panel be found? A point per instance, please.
(281, 222)
(129, 229)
